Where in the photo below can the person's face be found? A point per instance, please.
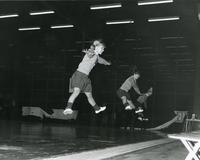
(136, 75)
(99, 49)
(92, 47)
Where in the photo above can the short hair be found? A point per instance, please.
(98, 42)
(134, 70)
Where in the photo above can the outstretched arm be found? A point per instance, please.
(103, 61)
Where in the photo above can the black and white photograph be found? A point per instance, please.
(100, 80)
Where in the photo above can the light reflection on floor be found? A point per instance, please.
(27, 140)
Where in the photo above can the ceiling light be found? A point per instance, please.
(9, 16)
(163, 19)
(41, 13)
(28, 29)
(120, 22)
(105, 6)
(150, 2)
(62, 26)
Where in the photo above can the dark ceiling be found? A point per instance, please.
(167, 48)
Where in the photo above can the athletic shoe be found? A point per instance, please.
(139, 110)
(128, 108)
(100, 109)
(140, 118)
(67, 111)
(143, 119)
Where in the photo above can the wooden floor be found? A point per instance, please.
(36, 140)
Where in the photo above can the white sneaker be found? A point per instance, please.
(128, 108)
(67, 111)
(100, 110)
(140, 118)
(143, 119)
(139, 110)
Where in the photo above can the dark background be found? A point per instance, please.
(35, 66)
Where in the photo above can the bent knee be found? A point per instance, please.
(76, 91)
(124, 99)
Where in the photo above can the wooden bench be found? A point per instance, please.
(191, 141)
